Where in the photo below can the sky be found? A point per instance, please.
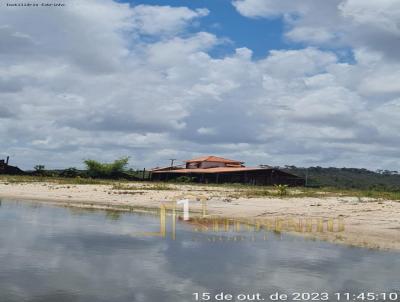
(278, 82)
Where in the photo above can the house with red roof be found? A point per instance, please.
(214, 169)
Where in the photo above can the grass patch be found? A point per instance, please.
(152, 187)
(260, 192)
(56, 180)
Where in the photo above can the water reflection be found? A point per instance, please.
(48, 254)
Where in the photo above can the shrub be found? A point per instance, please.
(70, 172)
(282, 190)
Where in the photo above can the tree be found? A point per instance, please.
(115, 169)
(39, 168)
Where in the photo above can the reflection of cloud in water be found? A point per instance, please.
(47, 254)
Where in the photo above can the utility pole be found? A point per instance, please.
(172, 161)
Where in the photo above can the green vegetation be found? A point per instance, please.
(13, 179)
(282, 190)
(115, 169)
(70, 172)
(39, 168)
(349, 178)
(94, 170)
(260, 192)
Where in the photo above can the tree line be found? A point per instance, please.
(118, 169)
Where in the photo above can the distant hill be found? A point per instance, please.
(348, 178)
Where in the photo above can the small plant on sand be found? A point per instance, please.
(282, 190)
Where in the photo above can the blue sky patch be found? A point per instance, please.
(260, 34)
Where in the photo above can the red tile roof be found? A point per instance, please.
(213, 159)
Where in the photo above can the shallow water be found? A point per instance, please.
(49, 253)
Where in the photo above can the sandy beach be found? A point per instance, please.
(366, 222)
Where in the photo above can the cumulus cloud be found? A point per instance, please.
(336, 23)
(95, 85)
(154, 20)
(383, 15)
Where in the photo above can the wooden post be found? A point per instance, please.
(8, 158)
(144, 173)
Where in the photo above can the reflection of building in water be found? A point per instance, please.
(213, 169)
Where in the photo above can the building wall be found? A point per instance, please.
(263, 177)
(205, 165)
